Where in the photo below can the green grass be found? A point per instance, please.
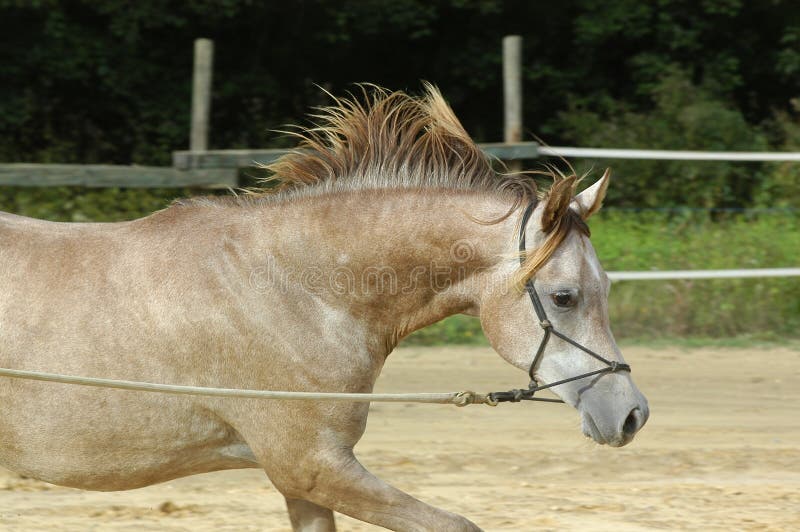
(715, 308)
(724, 312)
(733, 342)
(453, 330)
(466, 330)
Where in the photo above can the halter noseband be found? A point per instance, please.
(528, 395)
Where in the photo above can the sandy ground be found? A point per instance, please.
(721, 452)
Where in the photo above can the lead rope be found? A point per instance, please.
(456, 398)
(517, 395)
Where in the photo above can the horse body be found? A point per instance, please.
(88, 299)
(307, 292)
(99, 299)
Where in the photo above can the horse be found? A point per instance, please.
(386, 218)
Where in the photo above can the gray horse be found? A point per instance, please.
(388, 219)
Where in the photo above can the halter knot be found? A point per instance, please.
(471, 398)
(545, 323)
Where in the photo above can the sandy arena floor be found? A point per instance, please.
(721, 452)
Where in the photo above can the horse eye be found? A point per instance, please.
(563, 299)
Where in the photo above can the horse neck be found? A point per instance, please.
(395, 261)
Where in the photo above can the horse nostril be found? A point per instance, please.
(631, 424)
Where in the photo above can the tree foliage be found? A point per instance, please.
(108, 81)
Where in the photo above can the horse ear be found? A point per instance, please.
(589, 201)
(558, 200)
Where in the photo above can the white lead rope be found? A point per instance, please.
(455, 398)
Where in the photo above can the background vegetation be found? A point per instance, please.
(756, 309)
(108, 81)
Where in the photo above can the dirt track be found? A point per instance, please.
(721, 452)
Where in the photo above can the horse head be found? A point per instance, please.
(554, 321)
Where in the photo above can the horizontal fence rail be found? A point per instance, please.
(703, 274)
(219, 168)
(667, 155)
(206, 169)
(109, 175)
(189, 160)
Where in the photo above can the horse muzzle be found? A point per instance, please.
(613, 425)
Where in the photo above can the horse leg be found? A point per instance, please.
(335, 479)
(308, 517)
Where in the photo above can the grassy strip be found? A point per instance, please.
(725, 312)
(465, 330)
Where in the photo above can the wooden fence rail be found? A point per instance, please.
(204, 169)
(107, 175)
(199, 167)
(217, 159)
(220, 168)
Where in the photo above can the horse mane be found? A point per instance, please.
(392, 140)
(533, 261)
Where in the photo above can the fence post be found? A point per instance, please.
(201, 93)
(512, 92)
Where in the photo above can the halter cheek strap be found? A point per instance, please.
(612, 366)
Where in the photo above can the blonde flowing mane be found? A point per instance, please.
(390, 140)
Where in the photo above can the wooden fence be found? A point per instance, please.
(107, 175)
(206, 169)
(211, 160)
(200, 167)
